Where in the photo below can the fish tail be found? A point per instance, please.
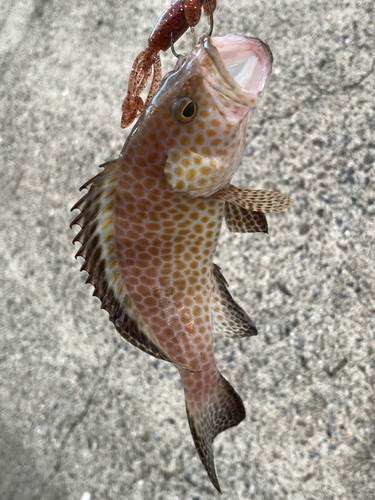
(211, 415)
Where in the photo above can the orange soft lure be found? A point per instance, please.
(172, 24)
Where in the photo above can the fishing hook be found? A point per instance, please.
(211, 18)
(172, 47)
(209, 33)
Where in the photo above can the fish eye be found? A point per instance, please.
(184, 110)
(189, 110)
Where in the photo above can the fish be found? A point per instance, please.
(151, 219)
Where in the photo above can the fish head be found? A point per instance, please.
(206, 102)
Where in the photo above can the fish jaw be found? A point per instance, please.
(224, 77)
(236, 66)
(248, 60)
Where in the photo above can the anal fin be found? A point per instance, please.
(242, 220)
(229, 318)
(269, 202)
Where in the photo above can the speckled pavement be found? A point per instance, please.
(83, 415)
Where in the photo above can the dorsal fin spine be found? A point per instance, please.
(96, 238)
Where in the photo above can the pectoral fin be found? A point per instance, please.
(241, 220)
(195, 174)
(269, 202)
(229, 318)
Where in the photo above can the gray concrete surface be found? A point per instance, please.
(83, 416)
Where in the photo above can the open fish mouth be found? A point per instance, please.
(242, 64)
(248, 60)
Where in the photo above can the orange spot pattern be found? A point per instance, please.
(209, 141)
(164, 255)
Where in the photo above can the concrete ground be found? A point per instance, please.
(83, 415)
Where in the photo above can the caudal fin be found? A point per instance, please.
(224, 409)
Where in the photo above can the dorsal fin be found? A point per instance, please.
(98, 251)
(269, 202)
(242, 220)
(229, 318)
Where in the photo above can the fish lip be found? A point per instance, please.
(244, 65)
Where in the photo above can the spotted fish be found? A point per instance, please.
(151, 219)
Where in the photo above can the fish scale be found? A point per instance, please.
(166, 262)
(151, 220)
